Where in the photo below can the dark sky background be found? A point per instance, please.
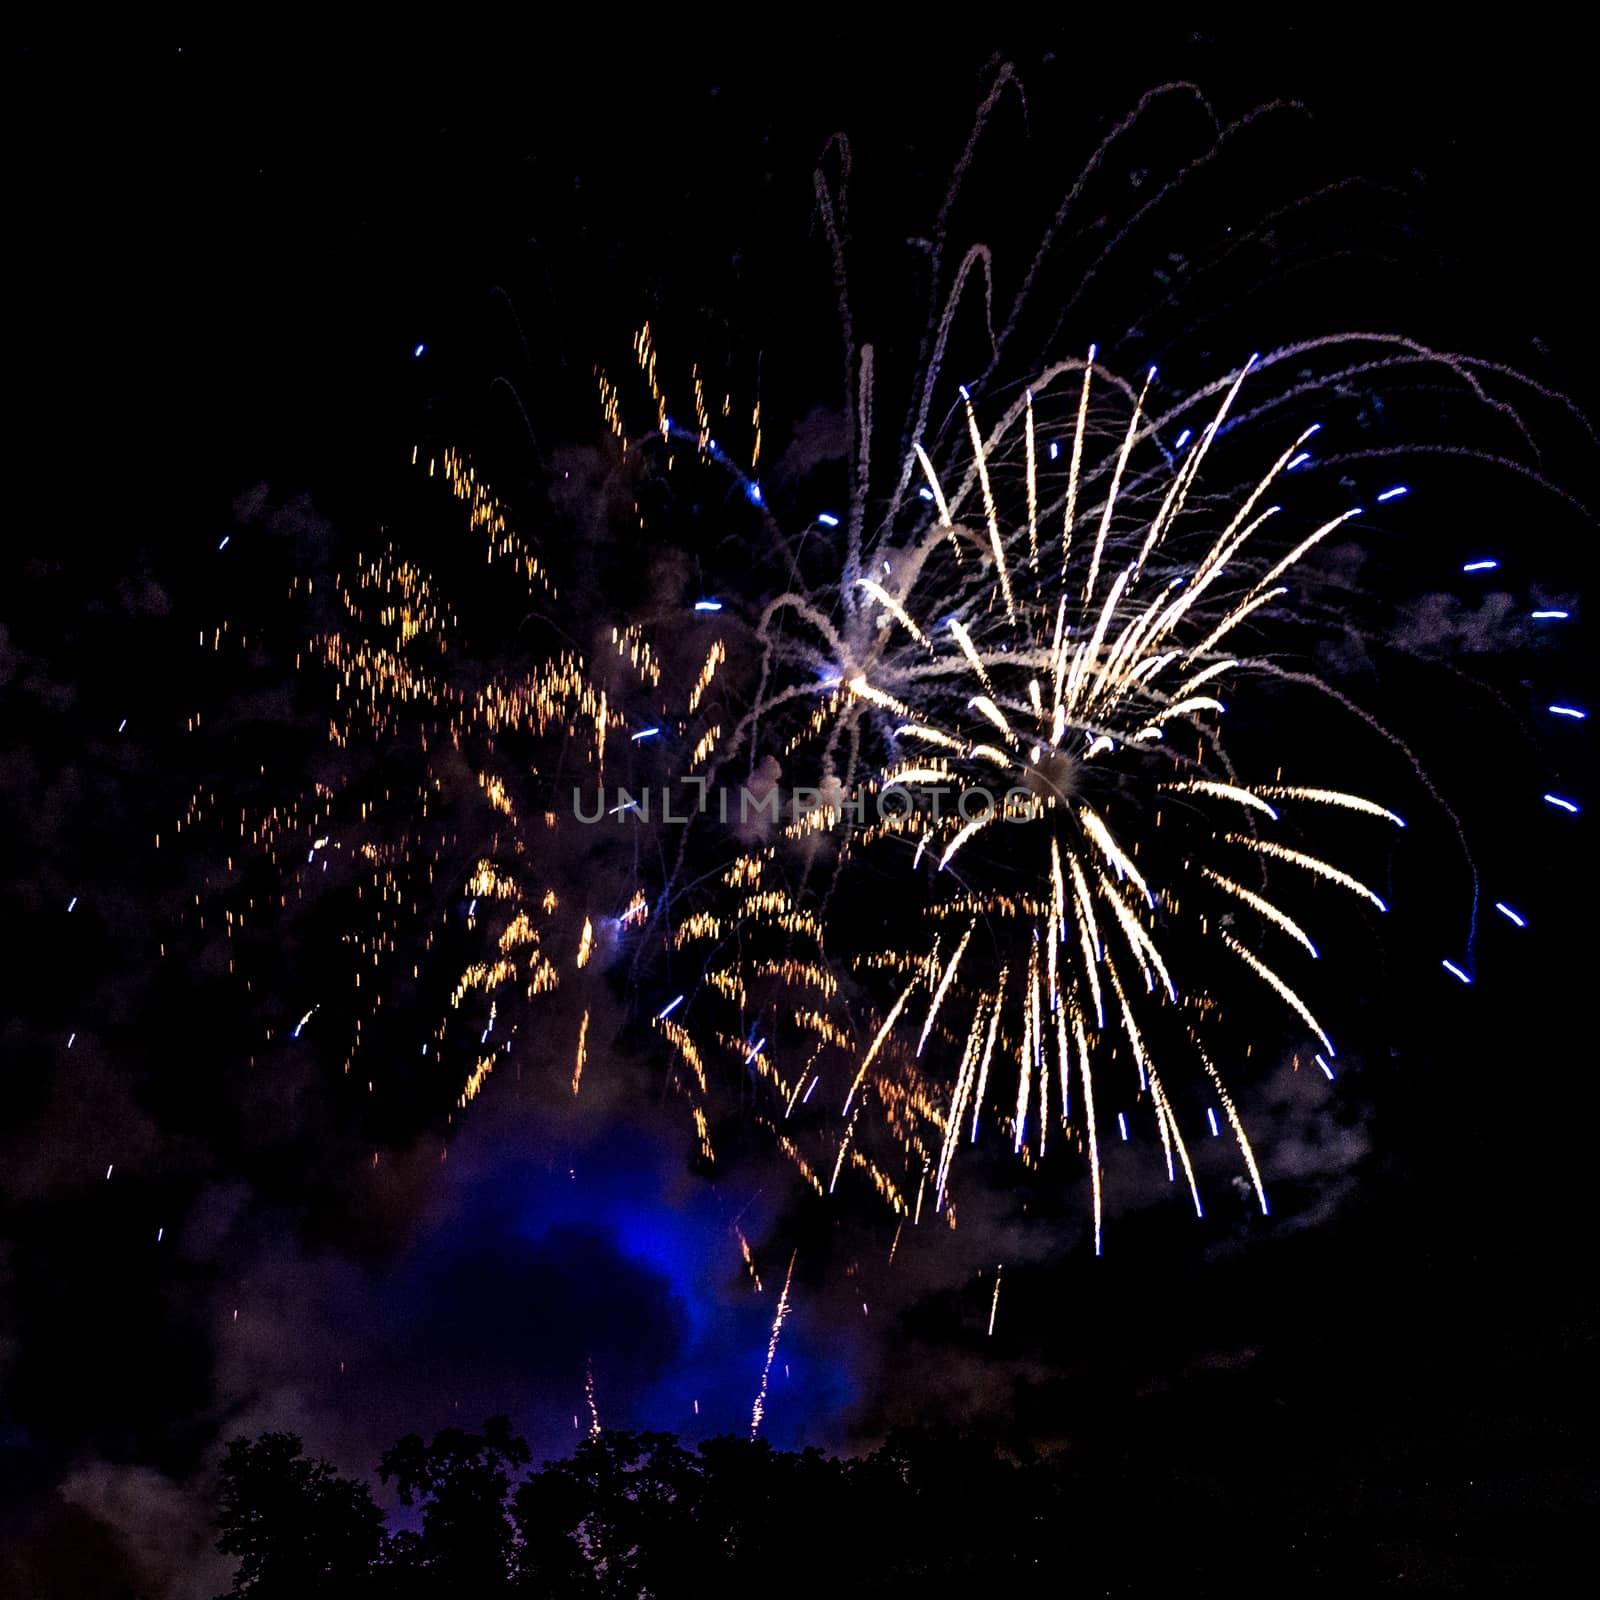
(222, 262)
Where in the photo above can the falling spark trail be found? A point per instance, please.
(583, 1038)
(760, 1407)
(1284, 992)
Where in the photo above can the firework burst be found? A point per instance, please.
(1019, 734)
(1018, 874)
(413, 874)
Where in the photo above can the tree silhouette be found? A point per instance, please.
(640, 1515)
(461, 1481)
(299, 1529)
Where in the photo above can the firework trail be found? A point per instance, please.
(758, 1411)
(589, 1397)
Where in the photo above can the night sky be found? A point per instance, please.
(225, 264)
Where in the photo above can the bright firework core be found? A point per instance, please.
(1052, 775)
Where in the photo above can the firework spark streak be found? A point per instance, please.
(759, 1409)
